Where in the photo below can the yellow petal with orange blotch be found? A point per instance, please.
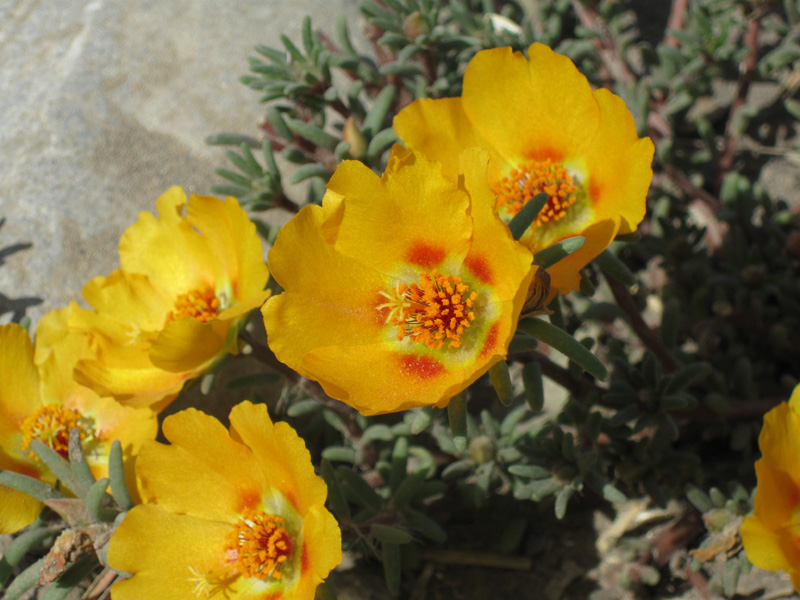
(322, 545)
(204, 472)
(618, 164)
(281, 454)
(530, 109)
(411, 215)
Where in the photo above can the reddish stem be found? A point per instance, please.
(677, 16)
(642, 330)
(747, 69)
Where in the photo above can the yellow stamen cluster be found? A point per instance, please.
(435, 310)
(51, 424)
(261, 545)
(534, 177)
(202, 305)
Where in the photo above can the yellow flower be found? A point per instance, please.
(400, 290)
(771, 536)
(236, 514)
(546, 131)
(39, 400)
(174, 308)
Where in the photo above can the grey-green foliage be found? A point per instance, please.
(90, 513)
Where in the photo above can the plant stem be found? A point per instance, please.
(642, 330)
(747, 70)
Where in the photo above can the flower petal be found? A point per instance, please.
(19, 394)
(189, 346)
(17, 510)
(530, 109)
(441, 129)
(161, 549)
(281, 454)
(763, 546)
(332, 299)
(203, 473)
(618, 164)
(234, 244)
(426, 212)
(167, 248)
(565, 275)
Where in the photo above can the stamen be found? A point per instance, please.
(208, 584)
(51, 424)
(261, 545)
(431, 312)
(534, 177)
(202, 305)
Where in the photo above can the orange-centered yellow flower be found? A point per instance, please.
(39, 400)
(771, 535)
(400, 290)
(231, 515)
(186, 285)
(546, 131)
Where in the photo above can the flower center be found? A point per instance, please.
(202, 305)
(534, 177)
(260, 544)
(435, 310)
(51, 424)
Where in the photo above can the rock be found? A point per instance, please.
(103, 106)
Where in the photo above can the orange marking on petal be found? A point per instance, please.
(425, 255)
(250, 500)
(305, 563)
(422, 367)
(479, 267)
(491, 340)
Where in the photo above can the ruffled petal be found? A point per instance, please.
(234, 244)
(167, 248)
(281, 454)
(130, 299)
(203, 473)
(425, 213)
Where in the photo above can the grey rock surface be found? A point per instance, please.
(103, 106)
